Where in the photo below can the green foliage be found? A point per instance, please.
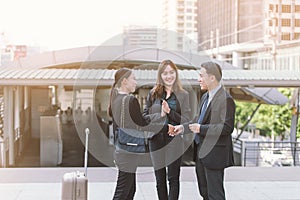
(243, 112)
(268, 119)
(298, 129)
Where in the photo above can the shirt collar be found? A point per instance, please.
(213, 92)
(121, 92)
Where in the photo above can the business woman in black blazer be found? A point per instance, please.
(213, 128)
(166, 151)
(127, 162)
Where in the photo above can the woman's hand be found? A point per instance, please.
(162, 114)
(165, 107)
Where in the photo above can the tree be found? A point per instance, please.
(270, 119)
(243, 112)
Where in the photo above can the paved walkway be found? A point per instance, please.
(241, 183)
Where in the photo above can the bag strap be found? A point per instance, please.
(122, 117)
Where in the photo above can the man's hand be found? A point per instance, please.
(195, 128)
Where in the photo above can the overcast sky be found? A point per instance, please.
(61, 24)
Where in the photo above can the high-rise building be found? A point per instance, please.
(234, 29)
(179, 25)
(286, 18)
(144, 36)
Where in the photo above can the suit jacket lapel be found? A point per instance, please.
(208, 109)
(207, 112)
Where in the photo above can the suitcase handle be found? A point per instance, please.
(87, 132)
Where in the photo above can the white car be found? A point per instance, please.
(276, 157)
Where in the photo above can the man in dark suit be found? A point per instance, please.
(212, 129)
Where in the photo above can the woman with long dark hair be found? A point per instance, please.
(168, 97)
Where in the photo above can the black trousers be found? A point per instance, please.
(210, 181)
(166, 155)
(126, 183)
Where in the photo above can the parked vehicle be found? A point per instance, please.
(277, 157)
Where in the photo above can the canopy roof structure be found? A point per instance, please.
(94, 66)
(259, 95)
(105, 77)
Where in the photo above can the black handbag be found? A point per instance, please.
(130, 140)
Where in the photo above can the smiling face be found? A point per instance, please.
(168, 76)
(204, 79)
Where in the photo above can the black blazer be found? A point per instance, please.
(216, 149)
(133, 115)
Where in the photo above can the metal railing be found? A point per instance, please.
(266, 153)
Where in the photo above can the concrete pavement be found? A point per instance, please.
(241, 183)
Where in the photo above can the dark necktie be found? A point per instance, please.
(203, 110)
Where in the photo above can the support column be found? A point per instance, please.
(237, 59)
(17, 108)
(8, 126)
(294, 124)
(220, 57)
(26, 123)
(17, 118)
(26, 97)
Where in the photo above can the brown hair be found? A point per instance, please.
(119, 76)
(159, 88)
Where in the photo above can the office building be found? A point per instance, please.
(179, 23)
(144, 36)
(236, 31)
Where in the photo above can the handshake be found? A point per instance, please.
(175, 130)
(178, 129)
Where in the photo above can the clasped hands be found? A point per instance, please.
(175, 130)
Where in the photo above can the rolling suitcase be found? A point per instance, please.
(75, 184)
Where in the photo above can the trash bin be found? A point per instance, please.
(51, 141)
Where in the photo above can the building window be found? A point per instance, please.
(286, 22)
(285, 36)
(189, 3)
(297, 22)
(271, 7)
(189, 25)
(286, 8)
(296, 36)
(180, 18)
(180, 39)
(180, 25)
(189, 17)
(297, 8)
(276, 22)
